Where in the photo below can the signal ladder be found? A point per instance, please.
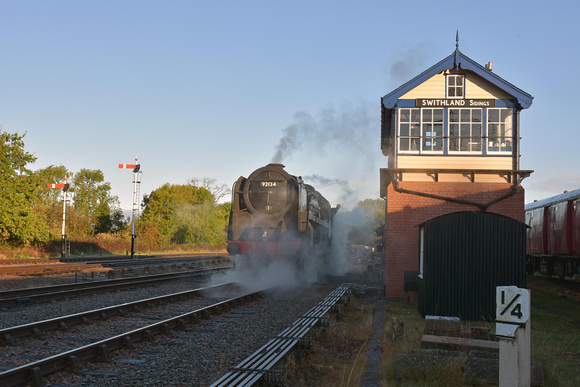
(137, 205)
(67, 246)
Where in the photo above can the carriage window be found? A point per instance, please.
(499, 130)
(455, 86)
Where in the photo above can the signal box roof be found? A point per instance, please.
(459, 61)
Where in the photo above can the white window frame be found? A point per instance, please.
(454, 86)
(471, 123)
(419, 128)
(507, 122)
(409, 137)
(432, 123)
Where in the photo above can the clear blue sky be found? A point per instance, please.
(210, 88)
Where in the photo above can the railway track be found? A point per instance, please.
(10, 298)
(200, 260)
(89, 258)
(106, 330)
(56, 266)
(104, 346)
(48, 268)
(557, 286)
(259, 365)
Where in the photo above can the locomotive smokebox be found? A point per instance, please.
(276, 213)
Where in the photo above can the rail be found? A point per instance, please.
(14, 297)
(259, 364)
(87, 258)
(52, 268)
(31, 374)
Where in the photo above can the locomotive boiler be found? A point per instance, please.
(553, 236)
(276, 215)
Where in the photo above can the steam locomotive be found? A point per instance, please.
(553, 236)
(276, 215)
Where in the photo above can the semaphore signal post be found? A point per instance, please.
(135, 167)
(64, 188)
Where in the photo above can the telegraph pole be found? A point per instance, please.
(135, 167)
(64, 191)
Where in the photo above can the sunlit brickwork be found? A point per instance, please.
(405, 212)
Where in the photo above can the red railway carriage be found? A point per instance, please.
(553, 239)
(277, 214)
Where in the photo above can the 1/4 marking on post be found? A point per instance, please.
(512, 304)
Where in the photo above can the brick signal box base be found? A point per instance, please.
(405, 211)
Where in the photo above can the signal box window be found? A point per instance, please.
(432, 130)
(421, 130)
(465, 130)
(499, 130)
(455, 86)
(409, 130)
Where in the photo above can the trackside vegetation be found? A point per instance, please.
(172, 218)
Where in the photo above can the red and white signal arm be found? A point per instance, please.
(134, 167)
(57, 185)
(512, 305)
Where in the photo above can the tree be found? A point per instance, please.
(224, 210)
(217, 190)
(94, 202)
(49, 201)
(149, 235)
(20, 223)
(371, 215)
(51, 175)
(186, 214)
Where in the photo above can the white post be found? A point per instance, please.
(63, 214)
(133, 236)
(135, 168)
(63, 241)
(513, 328)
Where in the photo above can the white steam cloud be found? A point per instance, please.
(347, 195)
(259, 272)
(338, 147)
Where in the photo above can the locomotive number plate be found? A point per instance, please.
(267, 184)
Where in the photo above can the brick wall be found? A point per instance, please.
(404, 212)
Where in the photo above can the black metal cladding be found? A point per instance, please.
(465, 256)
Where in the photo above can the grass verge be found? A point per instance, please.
(555, 322)
(339, 350)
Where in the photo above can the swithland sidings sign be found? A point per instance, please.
(420, 102)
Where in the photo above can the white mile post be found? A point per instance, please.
(514, 332)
